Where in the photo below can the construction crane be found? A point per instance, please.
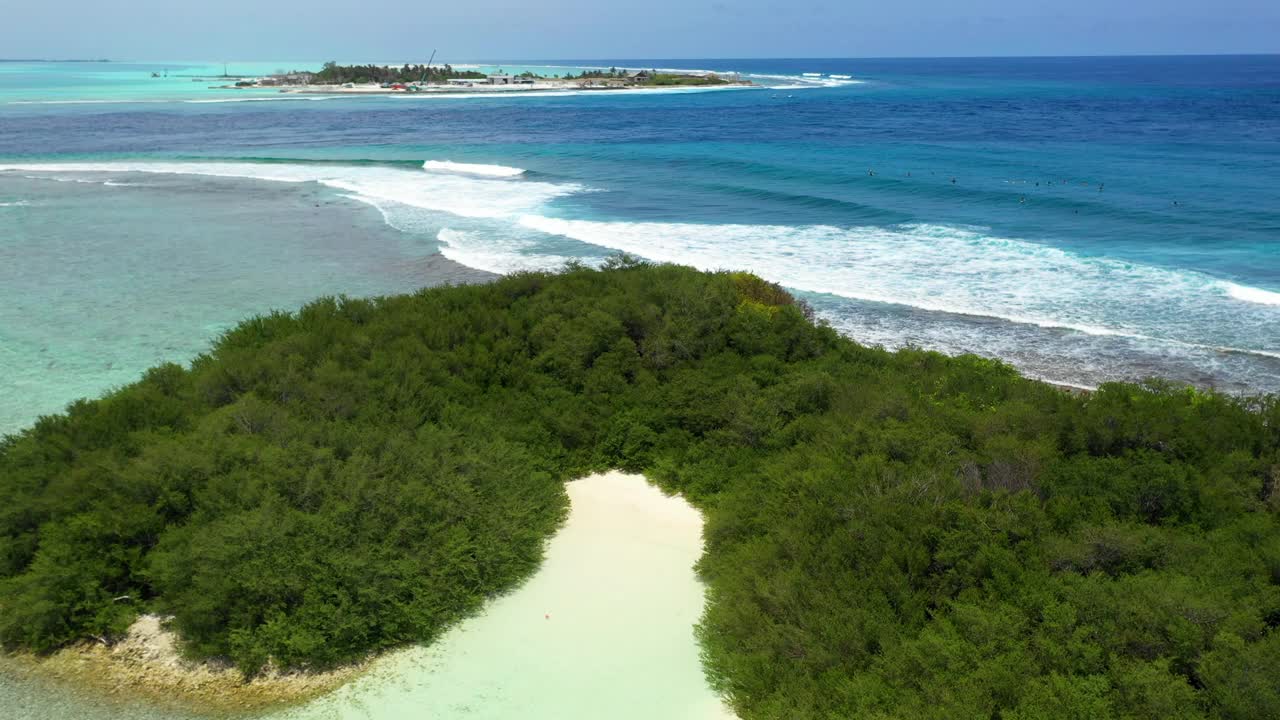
(427, 72)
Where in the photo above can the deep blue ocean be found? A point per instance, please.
(1085, 219)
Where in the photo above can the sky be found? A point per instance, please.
(400, 30)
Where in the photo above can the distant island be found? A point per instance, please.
(390, 79)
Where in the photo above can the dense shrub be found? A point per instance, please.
(889, 534)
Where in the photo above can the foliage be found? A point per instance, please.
(647, 77)
(890, 535)
(334, 74)
(667, 79)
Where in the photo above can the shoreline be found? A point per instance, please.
(560, 625)
(146, 668)
(608, 616)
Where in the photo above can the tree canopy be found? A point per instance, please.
(889, 535)
(335, 74)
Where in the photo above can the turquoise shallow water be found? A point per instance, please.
(102, 281)
(90, 83)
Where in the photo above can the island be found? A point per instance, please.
(333, 78)
(888, 534)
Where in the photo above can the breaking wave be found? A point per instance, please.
(465, 194)
(961, 272)
(1252, 294)
(447, 166)
(485, 251)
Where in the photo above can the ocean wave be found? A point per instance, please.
(1252, 294)
(17, 203)
(501, 255)
(957, 271)
(802, 82)
(447, 166)
(55, 178)
(457, 194)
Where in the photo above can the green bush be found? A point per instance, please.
(889, 535)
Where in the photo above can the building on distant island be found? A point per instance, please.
(501, 78)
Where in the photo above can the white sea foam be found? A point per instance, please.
(458, 194)
(17, 203)
(802, 82)
(485, 251)
(1252, 295)
(812, 75)
(447, 166)
(958, 271)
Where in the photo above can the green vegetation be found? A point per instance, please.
(647, 77)
(663, 79)
(335, 74)
(890, 535)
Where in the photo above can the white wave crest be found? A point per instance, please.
(1252, 294)
(446, 166)
(495, 254)
(463, 195)
(17, 203)
(955, 270)
(802, 82)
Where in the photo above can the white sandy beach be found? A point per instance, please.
(603, 630)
